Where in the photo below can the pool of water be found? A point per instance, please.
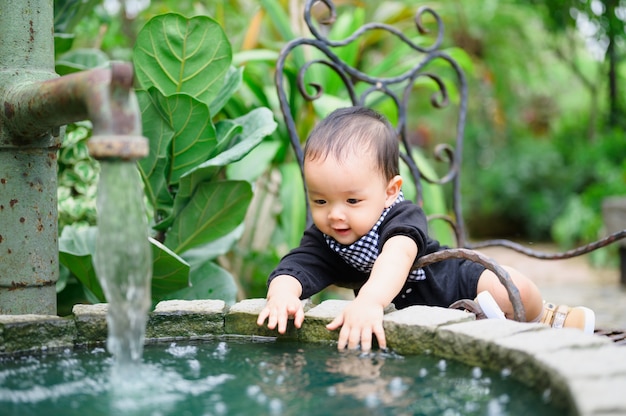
(235, 377)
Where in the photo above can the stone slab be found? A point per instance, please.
(241, 320)
(23, 333)
(315, 321)
(604, 396)
(91, 323)
(193, 319)
(412, 330)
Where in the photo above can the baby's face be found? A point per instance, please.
(347, 197)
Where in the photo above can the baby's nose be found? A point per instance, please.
(336, 213)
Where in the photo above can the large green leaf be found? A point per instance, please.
(77, 246)
(215, 209)
(154, 166)
(231, 84)
(68, 13)
(208, 281)
(170, 272)
(227, 131)
(254, 163)
(256, 125)
(213, 249)
(194, 137)
(176, 54)
(80, 60)
(346, 25)
(293, 201)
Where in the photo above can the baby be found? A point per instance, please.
(367, 237)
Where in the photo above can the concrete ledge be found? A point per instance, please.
(192, 319)
(412, 330)
(315, 321)
(91, 323)
(585, 374)
(24, 333)
(241, 320)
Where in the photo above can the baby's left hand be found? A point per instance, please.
(359, 321)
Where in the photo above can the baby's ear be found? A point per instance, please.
(393, 190)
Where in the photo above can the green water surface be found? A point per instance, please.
(233, 377)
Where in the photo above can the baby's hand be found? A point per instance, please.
(283, 301)
(359, 321)
(279, 309)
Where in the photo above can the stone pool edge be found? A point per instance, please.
(583, 373)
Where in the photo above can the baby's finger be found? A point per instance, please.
(282, 322)
(336, 323)
(342, 342)
(379, 332)
(366, 340)
(272, 319)
(354, 339)
(298, 318)
(262, 316)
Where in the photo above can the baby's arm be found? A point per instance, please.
(283, 301)
(363, 317)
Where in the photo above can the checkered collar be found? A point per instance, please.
(362, 253)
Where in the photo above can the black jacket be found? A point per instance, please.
(316, 266)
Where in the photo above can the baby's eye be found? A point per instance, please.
(352, 201)
(319, 201)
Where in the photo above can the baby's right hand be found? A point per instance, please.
(282, 303)
(278, 311)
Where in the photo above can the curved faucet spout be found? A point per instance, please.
(104, 95)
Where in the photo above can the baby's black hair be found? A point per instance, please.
(352, 129)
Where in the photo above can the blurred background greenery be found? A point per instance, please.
(544, 142)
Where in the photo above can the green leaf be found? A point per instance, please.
(281, 20)
(68, 13)
(231, 84)
(256, 125)
(194, 137)
(208, 281)
(227, 131)
(76, 248)
(254, 163)
(170, 272)
(213, 249)
(155, 165)
(432, 195)
(214, 210)
(62, 43)
(176, 54)
(255, 55)
(80, 60)
(346, 25)
(292, 199)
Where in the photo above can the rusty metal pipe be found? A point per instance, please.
(31, 114)
(104, 96)
(34, 104)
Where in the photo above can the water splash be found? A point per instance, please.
(274, 378)
(123, 259)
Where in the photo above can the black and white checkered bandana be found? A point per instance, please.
(363, 253)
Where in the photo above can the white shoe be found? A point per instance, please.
(489, 306)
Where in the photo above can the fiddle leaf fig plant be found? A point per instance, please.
(184, 77)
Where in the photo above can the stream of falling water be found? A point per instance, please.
(123, 259)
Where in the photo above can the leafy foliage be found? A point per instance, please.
(530, 162)
(183, 83)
